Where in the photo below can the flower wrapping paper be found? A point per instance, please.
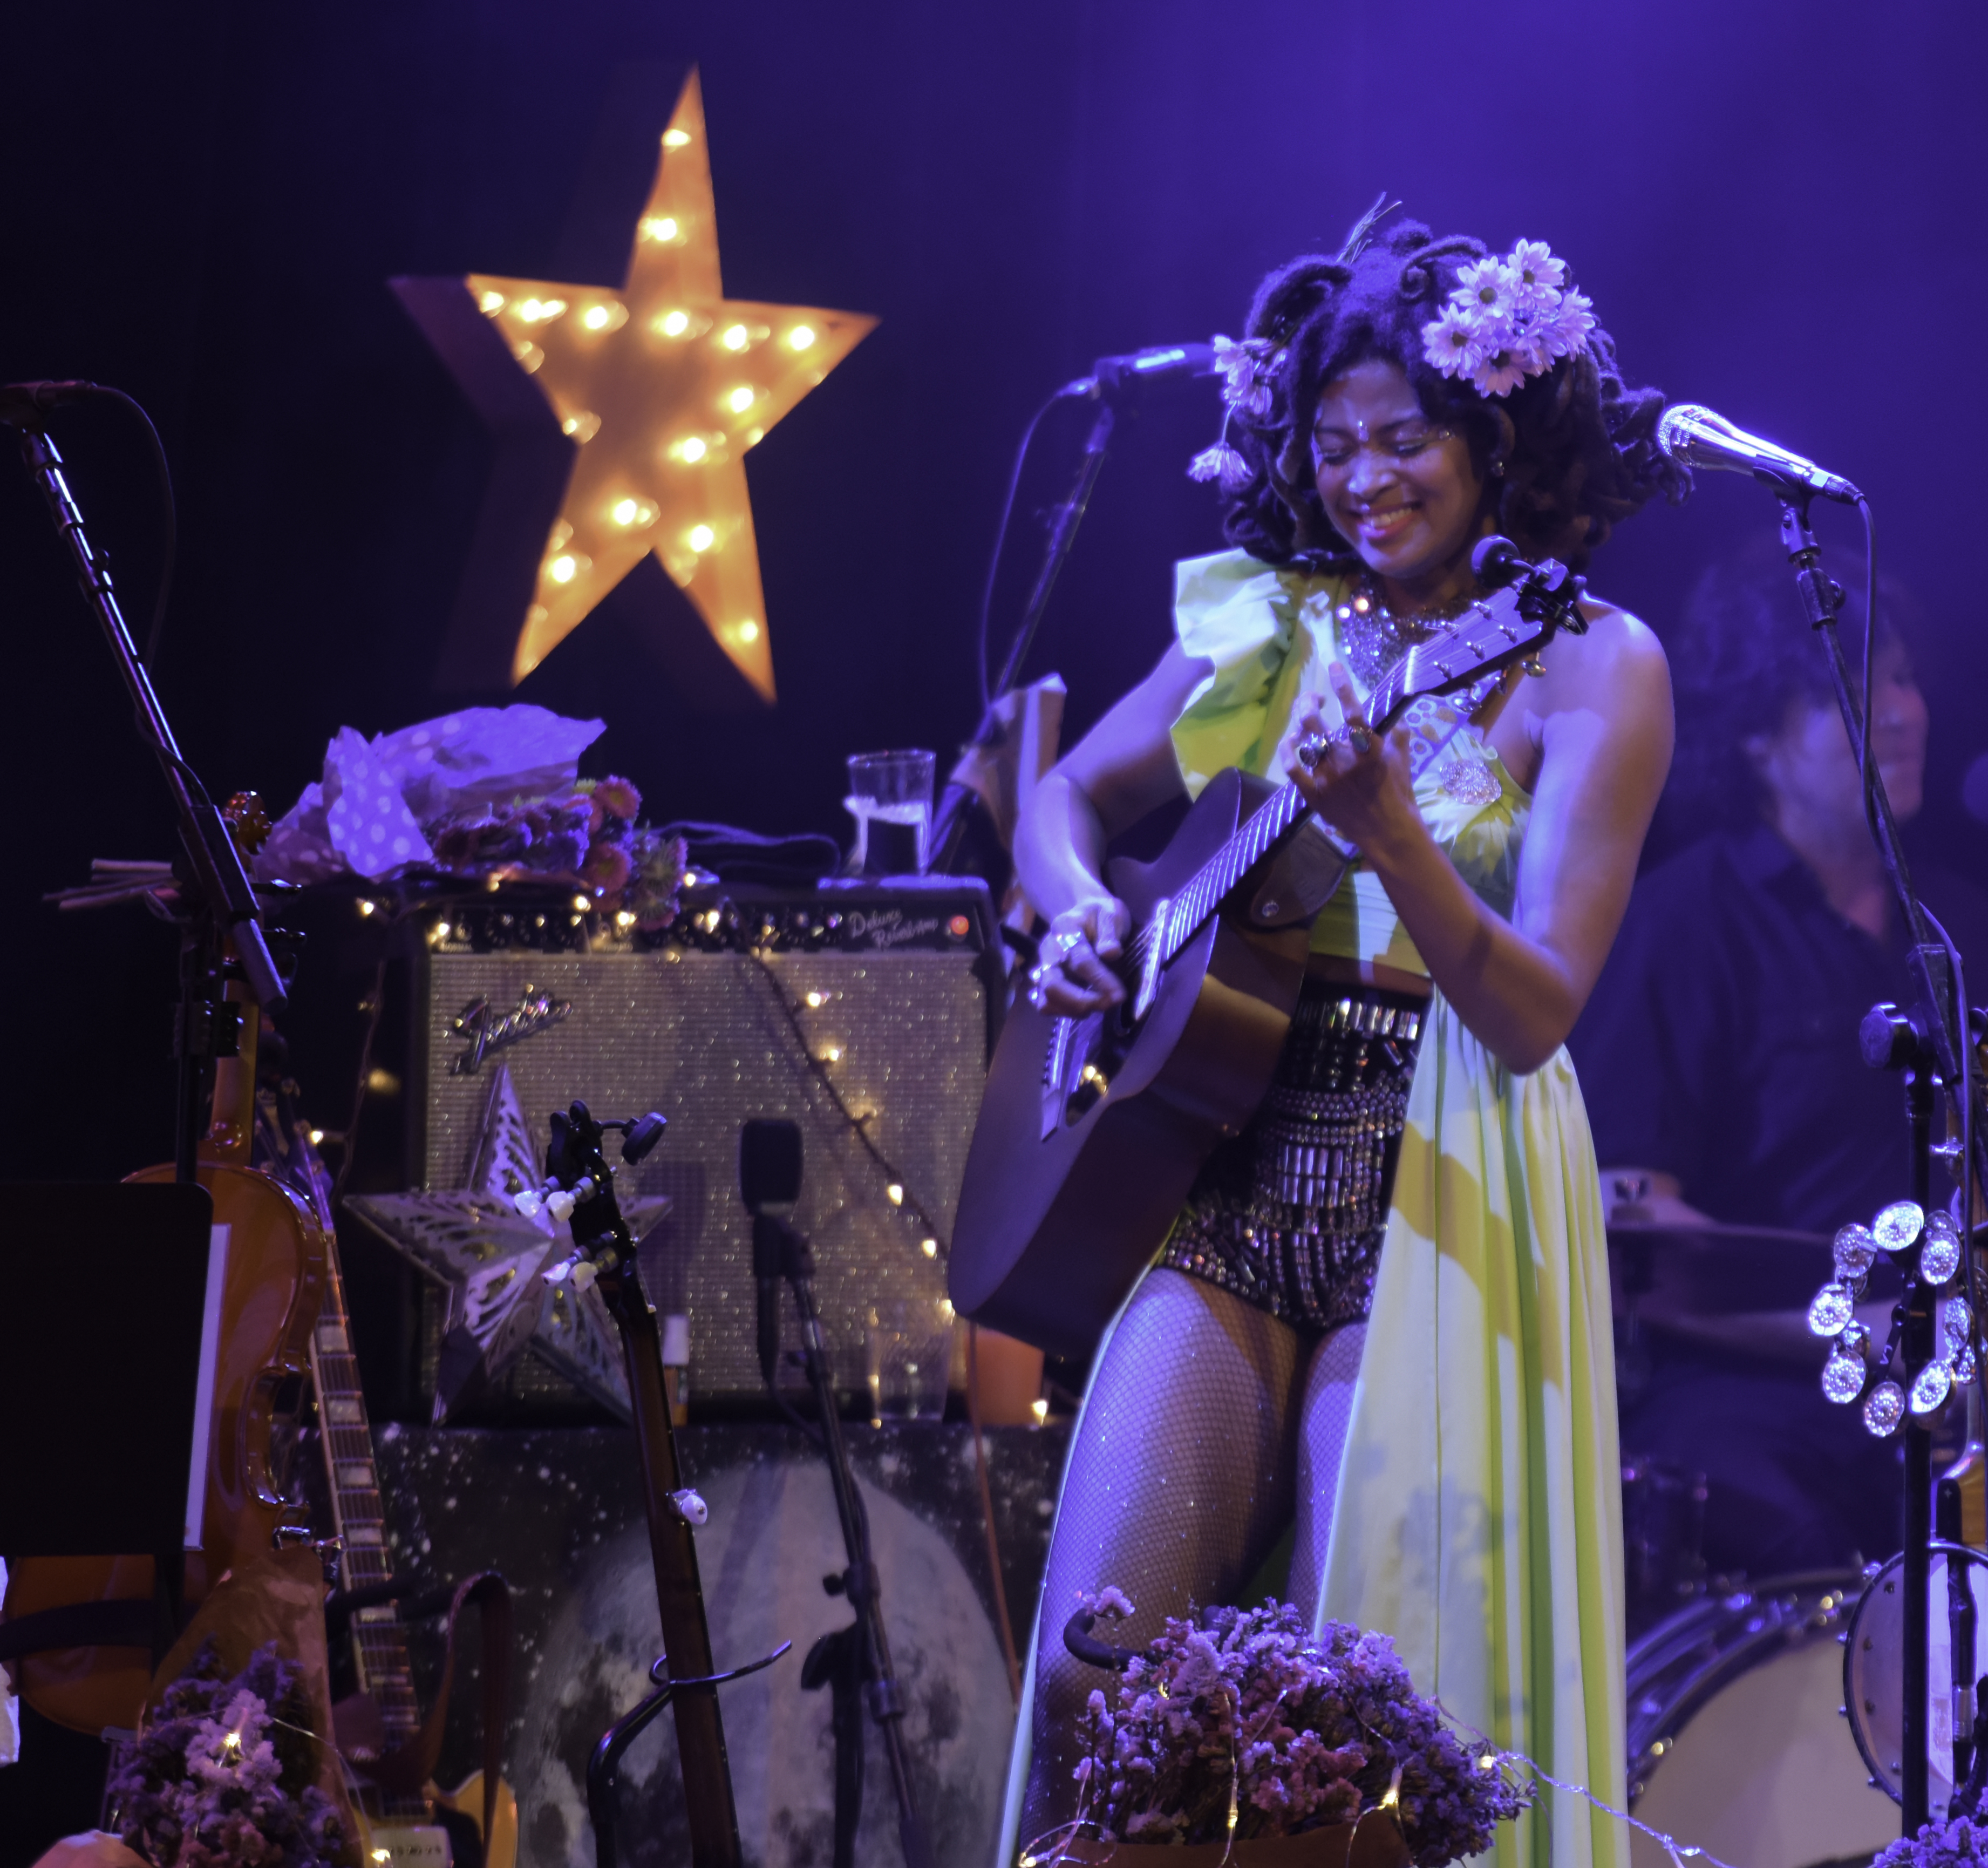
(364, 816)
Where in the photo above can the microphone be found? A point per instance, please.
(1111, 376)
(23, 404)
(770, 1183)
(1693, 436)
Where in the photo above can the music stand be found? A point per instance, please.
(106, 1288)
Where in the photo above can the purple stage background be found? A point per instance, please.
(1774, 207)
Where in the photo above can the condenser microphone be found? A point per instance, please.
(1110, 376)
(1693, 436)
(23, 404)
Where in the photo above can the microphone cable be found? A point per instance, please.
(1000, 547)
(168, 510)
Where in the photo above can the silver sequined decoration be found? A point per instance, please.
(1899, 1225)
(1885, 1408)
(1843, 1375)
(1469, 781)
(1832, 1308)
(1934, 1384)
(1963, 1370)
(1856, 1251)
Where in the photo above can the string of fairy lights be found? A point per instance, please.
(819, 1055)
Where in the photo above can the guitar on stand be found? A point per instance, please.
(580, 1187)
(1092, 1130)
(404, 1818)
(380, 1725)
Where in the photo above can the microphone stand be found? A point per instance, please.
(854, 1661)
(220, 901)
(1925, 1047)
(950, 821)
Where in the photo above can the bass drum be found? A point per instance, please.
(1737, 1740)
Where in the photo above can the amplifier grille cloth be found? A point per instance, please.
(701, 1037)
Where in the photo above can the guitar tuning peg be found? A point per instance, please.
(1534, 665)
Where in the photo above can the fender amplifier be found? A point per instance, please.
(864, 1011)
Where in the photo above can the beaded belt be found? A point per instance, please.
(1289, 1214)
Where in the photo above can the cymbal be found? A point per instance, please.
(1682, 1274)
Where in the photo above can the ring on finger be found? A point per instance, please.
(1312, 748)
(1359, 736)
(1067, 943)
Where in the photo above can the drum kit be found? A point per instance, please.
(1765, 1717)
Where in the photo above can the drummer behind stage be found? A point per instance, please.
(1718, 1054)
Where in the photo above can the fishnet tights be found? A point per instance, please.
(1208, 1425)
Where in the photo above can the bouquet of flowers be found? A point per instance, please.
(1957, 1844)
(589, 836)
(1246, 1719)
(489, 792)
(222, 1778)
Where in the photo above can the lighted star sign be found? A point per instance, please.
(663, 384)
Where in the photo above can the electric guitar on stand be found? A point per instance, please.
(1092, 1130)
(399, 1826)
(379, 1729)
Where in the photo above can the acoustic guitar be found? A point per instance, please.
(1091, 1131)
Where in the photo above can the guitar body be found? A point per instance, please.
(386, 1843)
(270, 1299)
(1091, 1134)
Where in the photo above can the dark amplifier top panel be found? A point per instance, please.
(911, 914)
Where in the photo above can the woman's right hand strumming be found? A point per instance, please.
(1124, 768)
(1073, 976)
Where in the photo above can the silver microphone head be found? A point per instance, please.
(1684, 423)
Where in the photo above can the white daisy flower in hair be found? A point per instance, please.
(1563, 331)
(1450, 341)
(1504, 369)
(1489, 286)
(1537, 277)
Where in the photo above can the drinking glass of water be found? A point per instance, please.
(891, 798)
(909, 1341)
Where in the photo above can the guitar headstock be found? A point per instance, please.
(580, 1188)
(1500, 628)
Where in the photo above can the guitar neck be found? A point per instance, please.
(1267, 826)
(379, 1642)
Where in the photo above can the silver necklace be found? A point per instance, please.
(1373, 638)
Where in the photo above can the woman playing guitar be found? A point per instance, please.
(1384, 1309)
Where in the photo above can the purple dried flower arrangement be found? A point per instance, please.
(1957, 1844)
(223, 1774)
(589, 836)
(1247, 1719)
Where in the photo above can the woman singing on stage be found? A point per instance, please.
(1414, 1362)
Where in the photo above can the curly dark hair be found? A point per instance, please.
(1743, 656)
(1576, 445)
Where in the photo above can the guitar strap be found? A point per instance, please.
(1432, 724)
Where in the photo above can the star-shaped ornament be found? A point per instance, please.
(663, 383)
(490, 1258)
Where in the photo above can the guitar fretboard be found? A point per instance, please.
(379, 1642)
